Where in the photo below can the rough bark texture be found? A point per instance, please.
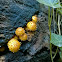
(15, 13)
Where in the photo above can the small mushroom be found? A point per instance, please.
(14, 45)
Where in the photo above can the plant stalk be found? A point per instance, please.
(55, 53)
(54, 20)
(54, 32)
(49, 24)
(59, 24)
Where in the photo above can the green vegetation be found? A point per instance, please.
(55, 39)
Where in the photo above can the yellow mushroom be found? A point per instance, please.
(19, 31)
(34, 18)
(31, 26)
(23, 37)
(14, 45)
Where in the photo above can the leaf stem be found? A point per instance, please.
(59, 24)
(49, 24)
(50, 45)
(55, 53)
(54, 32)
(53, 20)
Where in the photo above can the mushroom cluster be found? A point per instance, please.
(14, 44)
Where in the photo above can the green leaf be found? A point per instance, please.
(60, 48)
(51, 3)
(60, 11)
(56, 40)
